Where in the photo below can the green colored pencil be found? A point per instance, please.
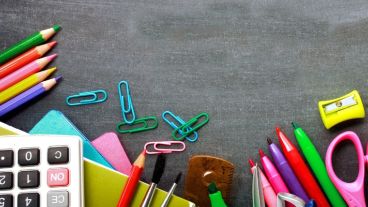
(29, 42)
(318, 166)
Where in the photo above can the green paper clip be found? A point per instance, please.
(141, 121)
(91, 97)
(188, 128)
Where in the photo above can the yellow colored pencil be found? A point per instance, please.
(24, 84)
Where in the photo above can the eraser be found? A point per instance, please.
(110, 147)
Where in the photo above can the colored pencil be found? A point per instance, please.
(24, 85)
(317, 165)
(286, 172)
(25, 71)
(268, 192)
(28, 95)
(25, 58)
(27, 43)
(301, 170)
(135, 174)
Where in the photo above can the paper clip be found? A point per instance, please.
(159, 150)
(91, 97)
(185, 127)
(181, 122)
(129, 109)
(144, 121)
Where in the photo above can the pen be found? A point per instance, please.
(301, 170)
(317, 165)
(287, 173)
(268, 192)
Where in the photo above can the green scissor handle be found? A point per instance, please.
(144, 121)
(190, 127)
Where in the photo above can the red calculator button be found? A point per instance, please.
(57, 177)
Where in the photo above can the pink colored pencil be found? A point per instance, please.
(268, 192)
(25, 71)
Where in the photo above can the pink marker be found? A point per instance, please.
(268, 192)
(25, 71)
(273, 175)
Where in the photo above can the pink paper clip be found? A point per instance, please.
(159, 150)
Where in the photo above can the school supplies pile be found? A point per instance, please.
(288, 173)
(20, 79)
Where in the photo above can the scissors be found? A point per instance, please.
(353, 192)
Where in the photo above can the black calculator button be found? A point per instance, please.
(6, 200)
(6, 158)
(58, 155)
(29, 156)
(29, 200)
(29, 179)
(6, 180)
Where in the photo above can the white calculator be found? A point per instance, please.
(41, 171)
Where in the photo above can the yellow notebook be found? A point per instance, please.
(102, 186)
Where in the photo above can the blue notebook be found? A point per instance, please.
(55, 122)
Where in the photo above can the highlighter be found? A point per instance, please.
(318, 166)
(215, 196)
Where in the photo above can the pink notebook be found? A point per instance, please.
(110, 147)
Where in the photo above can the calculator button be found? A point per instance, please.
(29, 200)
(29, 156)
(6, 158)
(6, 200)
(58, 155)
(29, 179)
(6, 180)
(57, 199)
(58, 177)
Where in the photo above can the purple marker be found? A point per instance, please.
(28, 95)
(286, 172)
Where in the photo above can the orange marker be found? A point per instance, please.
(25, 58)
(301, 170)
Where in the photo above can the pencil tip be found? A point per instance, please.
(52, 44)
(269, 140)
(56, 27)
(251, 163)
(295, 125)
(58, 78)
(261, 153)
(51, 57)
(212, 188)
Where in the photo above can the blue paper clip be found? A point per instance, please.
(129, 109)
(181, 122)
(91, 97)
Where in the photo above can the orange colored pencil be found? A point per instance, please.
(135, 174)
(25, 58)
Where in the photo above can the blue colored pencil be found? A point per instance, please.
(28, 95)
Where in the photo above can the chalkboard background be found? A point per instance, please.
(251, 65)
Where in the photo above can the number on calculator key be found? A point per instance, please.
(28, 157)
(6, 180)
(29, 200)
(6, 200)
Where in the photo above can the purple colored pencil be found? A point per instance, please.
(28, 95)
(286, 172)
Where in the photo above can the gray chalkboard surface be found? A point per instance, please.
(250, 64)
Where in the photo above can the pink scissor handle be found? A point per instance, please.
(353, 192)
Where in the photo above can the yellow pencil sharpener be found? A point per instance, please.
(349, 106)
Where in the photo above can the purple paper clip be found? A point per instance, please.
(159, 150)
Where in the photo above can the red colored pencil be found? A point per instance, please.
(135, 174)
(301, 170)
(25, 58)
